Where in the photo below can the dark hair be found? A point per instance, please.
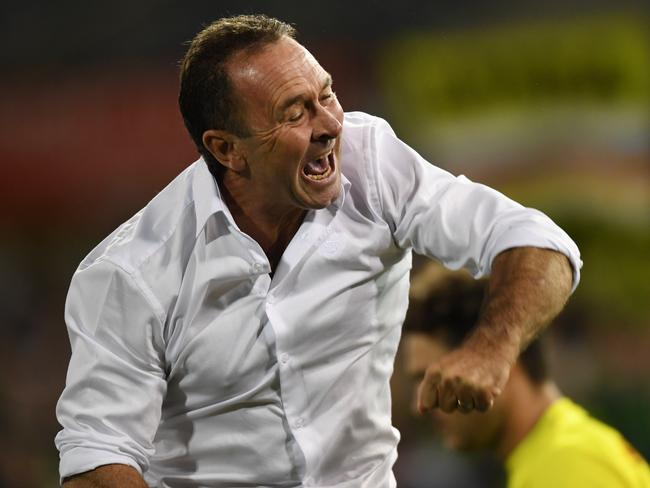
(448, 304)
(206, 97)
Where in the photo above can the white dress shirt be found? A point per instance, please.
(192, 365)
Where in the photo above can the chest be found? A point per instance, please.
(339, 286)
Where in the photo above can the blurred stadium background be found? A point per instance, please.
(547, 102)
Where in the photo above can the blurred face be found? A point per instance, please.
(460, 431)
(295, 121)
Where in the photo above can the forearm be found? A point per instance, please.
(528, 287)
(107, 476)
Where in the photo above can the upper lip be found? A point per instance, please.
(326, 153)
(321, 155)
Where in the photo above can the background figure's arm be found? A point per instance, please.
(528, 287)
(108, 476)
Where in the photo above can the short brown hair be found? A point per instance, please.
(206, 97)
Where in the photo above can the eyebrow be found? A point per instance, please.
(299, 98)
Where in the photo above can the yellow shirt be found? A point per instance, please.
(569, 448)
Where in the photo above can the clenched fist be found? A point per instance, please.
(464, 379)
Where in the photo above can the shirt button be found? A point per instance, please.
(300, 422)
(270, 298)
(284, 358)
(258, 267)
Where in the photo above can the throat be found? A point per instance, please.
(272, 230)
(275, 239)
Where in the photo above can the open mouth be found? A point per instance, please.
(319, 169)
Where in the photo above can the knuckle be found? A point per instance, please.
(449, 384)
(445, 407)
(432, 375)
(482, 407)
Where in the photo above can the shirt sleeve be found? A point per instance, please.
(452, 219)
(111, 405)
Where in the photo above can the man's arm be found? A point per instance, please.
(110, 408)
(528, 287)
(107, 476)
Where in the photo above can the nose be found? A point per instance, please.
(327, 124)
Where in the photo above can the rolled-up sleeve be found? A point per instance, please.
(452, 219)
(111, 405)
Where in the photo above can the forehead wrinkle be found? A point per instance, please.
(299, 75)
(300, 79)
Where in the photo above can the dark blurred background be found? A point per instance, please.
(546, 101)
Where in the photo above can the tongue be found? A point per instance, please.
(317, 167)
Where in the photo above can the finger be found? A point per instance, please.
(465, 402)
(464, 407)
(448, 396)
(427, 398)
(483, 400)
(428, 392)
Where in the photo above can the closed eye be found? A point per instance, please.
(296, 117)
(327, 92)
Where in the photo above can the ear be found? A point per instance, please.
(223, 146)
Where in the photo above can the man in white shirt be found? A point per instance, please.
(240, 330)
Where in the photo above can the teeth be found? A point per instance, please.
(321, 176)
(324, 158)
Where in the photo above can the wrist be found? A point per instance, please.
(504, 347)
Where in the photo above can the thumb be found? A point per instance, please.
(428, 397)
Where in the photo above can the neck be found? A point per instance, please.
(526, 403)
(270, 224)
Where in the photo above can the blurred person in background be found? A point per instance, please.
(241, 329)
(541, 436)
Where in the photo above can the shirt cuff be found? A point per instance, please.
(81, 459)
(521, 237)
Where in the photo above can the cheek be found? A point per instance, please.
(282, 154)
(281, 139)
(295, 142)
(460, 422)
(481, 430)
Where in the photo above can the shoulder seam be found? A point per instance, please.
(135, 275)
(372, 167)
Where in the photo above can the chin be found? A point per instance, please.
(324, 200)
(457, 444)
(318, 205)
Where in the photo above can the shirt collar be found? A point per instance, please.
(206, 194)
(340, 200)
(208, 200)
